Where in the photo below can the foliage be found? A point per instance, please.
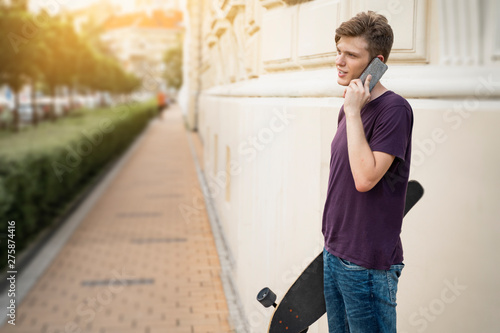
(173, 67)
(42, 169)
(46, 49)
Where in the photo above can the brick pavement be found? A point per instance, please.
(135, 264)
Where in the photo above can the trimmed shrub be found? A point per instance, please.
(43, 169)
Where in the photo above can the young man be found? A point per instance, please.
(369, 168)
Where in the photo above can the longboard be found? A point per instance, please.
(304, 302)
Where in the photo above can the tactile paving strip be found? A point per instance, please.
(125, 282)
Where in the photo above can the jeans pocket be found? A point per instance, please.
(350, 266)
(393, 275)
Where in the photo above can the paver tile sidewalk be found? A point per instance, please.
(135, 264)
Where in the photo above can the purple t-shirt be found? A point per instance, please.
(365, 228)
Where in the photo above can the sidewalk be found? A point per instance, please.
(134, 264)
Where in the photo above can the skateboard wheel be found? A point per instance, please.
(266, 297)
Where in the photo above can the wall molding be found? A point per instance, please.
(408, 81)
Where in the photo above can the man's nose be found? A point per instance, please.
(339, 60)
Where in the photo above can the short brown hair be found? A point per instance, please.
(374, 28)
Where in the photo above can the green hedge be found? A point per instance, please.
(43, 169)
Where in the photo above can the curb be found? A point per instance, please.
(235, 307)
(35, 259)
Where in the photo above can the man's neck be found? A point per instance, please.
(377, 91)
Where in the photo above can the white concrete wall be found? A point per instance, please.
(278, 180)
(278, 184)
(270, 195)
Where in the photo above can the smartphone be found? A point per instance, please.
(376, 68)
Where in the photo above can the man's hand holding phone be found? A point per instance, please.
(356, 96)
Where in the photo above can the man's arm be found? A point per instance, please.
(367, 166)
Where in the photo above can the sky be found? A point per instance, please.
(54, 6)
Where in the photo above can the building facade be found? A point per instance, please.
(140, 39)
(261, 91)
(137, 33)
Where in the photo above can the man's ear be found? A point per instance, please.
(381, 57)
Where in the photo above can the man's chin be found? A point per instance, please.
(343, 82)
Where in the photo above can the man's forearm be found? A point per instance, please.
(367, 166)
(361, 157)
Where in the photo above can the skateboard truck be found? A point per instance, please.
(266, 297)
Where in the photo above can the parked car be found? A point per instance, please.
(44, 104)
(25, 111)
(87, 101)
(5, 113)
(62, 106)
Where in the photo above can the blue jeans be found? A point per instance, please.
(359, 300)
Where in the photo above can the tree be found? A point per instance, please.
(46, 50)
(59, 66)
(19, 4)
(173, 67)
(37, 51)
(19, 51)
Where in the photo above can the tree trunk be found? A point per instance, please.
(102, 102)
(34, 104)
(53, 107)
(15, 112)
(71, 99)
(73, 93)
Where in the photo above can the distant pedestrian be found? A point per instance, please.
(161, 102)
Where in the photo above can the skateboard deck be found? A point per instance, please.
(304, 302)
